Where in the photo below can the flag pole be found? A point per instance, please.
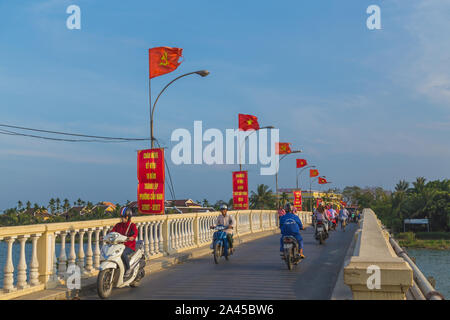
(150, 100)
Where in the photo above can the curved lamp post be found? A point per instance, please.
(202, 73)
(240, 148)
(276, 174)
(302, 171)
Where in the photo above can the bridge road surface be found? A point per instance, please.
(255, 271)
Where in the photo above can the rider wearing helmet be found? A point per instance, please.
(229, 222)
(128, 229)
(290, 225)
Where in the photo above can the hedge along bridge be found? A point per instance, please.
(163, 235)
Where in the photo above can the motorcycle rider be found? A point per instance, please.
(129, 230)
(322, 216)
(290, 225)
(229, 222)
(343, 215)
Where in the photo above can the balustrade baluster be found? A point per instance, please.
(8, 271)
(22, 266)
(72, 255)
(97, 248)
(54, 276)
(160, 237)
(146, 240)
(89, 254)
(80, 260)
(148, 247)
(34, 265)
(62, 261)
(154, 237)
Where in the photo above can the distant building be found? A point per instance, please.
(176, 206)
(38, 213)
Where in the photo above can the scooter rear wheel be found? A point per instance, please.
(137, 281)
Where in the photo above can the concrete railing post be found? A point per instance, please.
(375, 272)
(44, 257)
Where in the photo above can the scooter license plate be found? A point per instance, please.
(288, 245)
(319, 229)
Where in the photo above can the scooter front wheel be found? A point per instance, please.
(105, 283)
(217, 252)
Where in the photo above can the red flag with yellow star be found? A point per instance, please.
(322, 180)
(282, 148)
(248, 122)
(163, 60)
(301, 163)
(313, 172)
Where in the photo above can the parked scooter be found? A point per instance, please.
(220, 244)
(291, 251)
(112, 269)
(320, 233)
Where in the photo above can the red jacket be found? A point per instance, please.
(132, 232)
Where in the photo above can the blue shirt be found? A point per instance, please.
(290, 224)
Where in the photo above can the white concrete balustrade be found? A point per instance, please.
(57, 246)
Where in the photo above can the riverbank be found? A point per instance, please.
(426, 244)
(432, 241)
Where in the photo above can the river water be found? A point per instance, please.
(434, 263)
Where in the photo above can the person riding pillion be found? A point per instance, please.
(129, 230)
(290, 225)
(228, 221)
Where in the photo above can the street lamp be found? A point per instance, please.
(302, 171)
(240, 147)
(202, 73)
(276, 174)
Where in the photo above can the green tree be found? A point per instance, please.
(263, 198)
(51, 205)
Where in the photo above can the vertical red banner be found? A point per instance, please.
(298, 199)
(151, 176)
(318, 202)
(240, 190)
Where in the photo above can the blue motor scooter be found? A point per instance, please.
(220, 243)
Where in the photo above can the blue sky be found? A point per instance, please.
(367, 107)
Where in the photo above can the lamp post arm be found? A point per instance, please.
(167, 85)
(242, 144)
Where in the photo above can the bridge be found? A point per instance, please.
(180, 264)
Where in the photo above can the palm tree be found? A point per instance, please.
(419, 185)
(284, 198)
(58, 204)
(19, 205)
(28, 205)
(263, 198)
(51, 205)
(205, 203)
(66, 204)
(402, 186)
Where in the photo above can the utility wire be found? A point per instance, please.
(12, 133)
(74, 134)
